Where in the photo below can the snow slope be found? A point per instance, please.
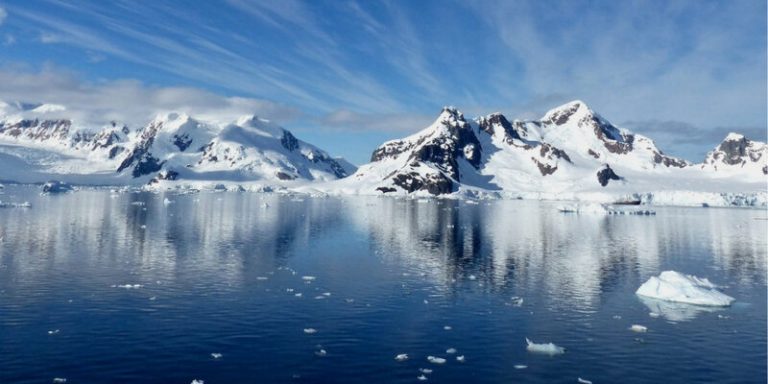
(170, 147)
(570, 153)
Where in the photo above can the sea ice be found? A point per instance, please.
(638, 328)
(402, 357)
(520, 366)
(450, 351)
(59, 380)
(310, 331)
(545, 348)
(196, 381)
(460, 359)
(681, 288)
(216, 355)
(422, 378)
(584, 381)
(436, 360)
(425, 371)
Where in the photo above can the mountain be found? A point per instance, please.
(171, 146)
(737, 154)
(570, 150)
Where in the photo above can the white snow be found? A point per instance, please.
(677, 287)
(544, 348)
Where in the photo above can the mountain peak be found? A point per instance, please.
(562, 114)
(733, 136)
(451, 114)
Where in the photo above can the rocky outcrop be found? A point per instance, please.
(606, 174)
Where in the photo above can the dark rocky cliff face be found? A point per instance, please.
(606, 174)
(734, 150)
(139, 157)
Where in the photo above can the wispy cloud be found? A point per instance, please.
(3, 15)
(128, 101)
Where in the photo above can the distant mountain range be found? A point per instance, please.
(570, 151)
(169, 147)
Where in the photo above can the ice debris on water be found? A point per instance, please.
(447, 327)
(436, 360)
(53, 332)
(653, 314)
(196, 381)
(321, 352)
(638, 328)
(460, 359)
(128, 286)
(308, 278)
(421, 378)
(583, 381)
(167, 201)
(216, 355)
(677, 287)
(425, 371)
(516, 301)
(450, 351)
(520, 366)
(59, 380)
(545, 348)
(401, 357)
(310, 331)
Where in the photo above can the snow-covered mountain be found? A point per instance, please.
(570, 150)
(171, 146)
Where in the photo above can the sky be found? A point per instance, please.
(348, 75)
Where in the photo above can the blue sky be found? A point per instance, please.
(348, 75)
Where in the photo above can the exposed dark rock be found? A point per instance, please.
(593, 154)
(549, 151)
(284, 176)
(545, 169)
(386, 189)
(182, 141)
(288, 141)
(436, 183)
(734, 150)
(486, 125)
(660, 158)
(144, 162)
(606, 174)
(765, 170)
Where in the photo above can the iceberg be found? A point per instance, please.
(545, 348)
(680, 288)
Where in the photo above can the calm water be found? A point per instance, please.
(220, 274)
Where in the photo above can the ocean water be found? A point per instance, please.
(221, 273)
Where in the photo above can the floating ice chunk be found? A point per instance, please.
(55, 186)
(327, 294)
(450, 351)
(262, 278)
(128, 286)
(583, 381)
(59, 380)
(321, 352)
(472, 277)
(436, 360)
(53, 332)
(310, 331)
(583, 208)
(517, 301)
(401, 357)
(421, 378)
(653, 314)
(425, 371)
(196, 381)
(447, 327)
(545, 348)
(308, 278)
(638, 328)
(216, 355)
(264, 205)
(460, 359)
(680, 288)
(616, 317)
(520, 366)
(320, 297)
(298, 294)
(167, 201)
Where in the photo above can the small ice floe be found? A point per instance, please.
(262, 278)
(298, 294)
(321, 352)
(421, 378)
(55, 186)
(59, 380)
(310, 331)
(128, 286)
(472, 277)
(425, 371)
(153, 298)
(138, 203)
(320, 297)
(426, 301)
(516, 301)
(680, 288)
(167, 201)
(349, 301)
(53, 332)
(593, 208)
(289, 290)
(653, 314)
(216, 355)
(583, 381)
(447, 327)
(327, 294)
(401, 357)
(436, 360)
(460, 358)
(723, 317)
(450, 351)
(308, 278)
(520, 366)
(616, 317)
(25, 204)
(196, 381)
(638, 328)
(545, 348)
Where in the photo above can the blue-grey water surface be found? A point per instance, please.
(221, 273)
